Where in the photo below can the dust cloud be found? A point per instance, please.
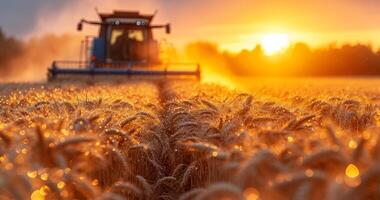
(28, 61)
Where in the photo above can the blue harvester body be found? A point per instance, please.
(125, 46)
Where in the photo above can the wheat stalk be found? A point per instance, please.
(128, 187)
(74, 140)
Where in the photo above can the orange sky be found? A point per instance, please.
(234, 25)
(239, 25)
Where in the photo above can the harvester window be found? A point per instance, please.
(137, 35)
(126, 44)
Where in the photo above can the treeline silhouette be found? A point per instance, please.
(297, 60)
(10, 47)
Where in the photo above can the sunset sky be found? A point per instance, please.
(234, 25)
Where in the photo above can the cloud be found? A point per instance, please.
(26, 19)
(19, 17)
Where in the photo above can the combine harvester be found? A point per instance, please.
(124, 48)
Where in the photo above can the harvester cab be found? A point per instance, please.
(124, 47)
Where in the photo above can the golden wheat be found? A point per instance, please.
(186, 140)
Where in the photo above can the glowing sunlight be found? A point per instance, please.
(274, 43)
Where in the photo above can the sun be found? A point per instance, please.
(274, 43)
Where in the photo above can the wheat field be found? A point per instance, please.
(284, 139)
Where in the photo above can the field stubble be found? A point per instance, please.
(185, 140)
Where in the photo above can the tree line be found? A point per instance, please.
(297, 60)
